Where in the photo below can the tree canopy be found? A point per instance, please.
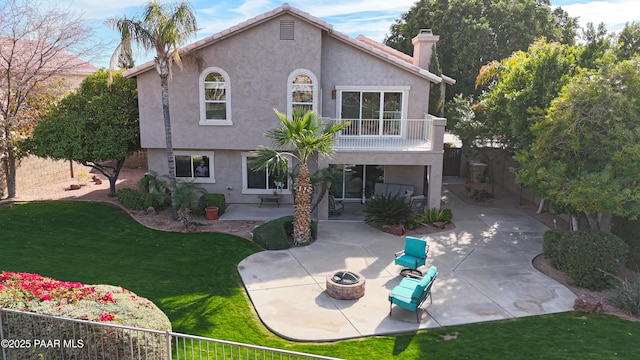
(520, 88)
(36, 43)
(475, 32)
(586, 153)
(95, 124)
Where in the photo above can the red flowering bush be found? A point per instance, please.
(105, 303)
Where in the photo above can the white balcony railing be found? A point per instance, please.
(385, 134)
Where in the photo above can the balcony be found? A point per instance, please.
(388, 134)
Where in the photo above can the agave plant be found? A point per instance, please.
(387, 209)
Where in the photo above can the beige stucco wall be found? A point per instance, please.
(344, 65)
(227, 166)
(259, 64)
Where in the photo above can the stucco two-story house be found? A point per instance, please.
(222, 105)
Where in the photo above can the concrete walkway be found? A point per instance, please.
(485, 274)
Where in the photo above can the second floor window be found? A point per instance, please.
(215, 105)
(302, 88)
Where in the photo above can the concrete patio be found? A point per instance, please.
(485, 274)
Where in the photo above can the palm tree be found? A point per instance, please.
(163, 28)
(304, 134)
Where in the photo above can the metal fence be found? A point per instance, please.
(29, 336)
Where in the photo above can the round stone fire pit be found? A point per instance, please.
(345, 285)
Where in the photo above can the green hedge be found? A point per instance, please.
(587, 256)
(212, 200)
(550, 244)
(273, 235)
(136, 200)
(629, 231)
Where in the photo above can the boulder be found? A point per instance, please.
(439, 225)
(397, 230)
(589, 304)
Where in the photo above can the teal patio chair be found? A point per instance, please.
(412, 257)
(411, 293)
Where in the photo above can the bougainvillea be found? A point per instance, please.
(105, 303)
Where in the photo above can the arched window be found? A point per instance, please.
(215, 104)
(302, 91)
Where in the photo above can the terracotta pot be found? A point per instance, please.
(211, 212)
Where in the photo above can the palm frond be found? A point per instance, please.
(268, 158)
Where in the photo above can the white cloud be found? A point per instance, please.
(614, 13)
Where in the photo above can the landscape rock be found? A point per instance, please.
(589, 304)
(397, 230)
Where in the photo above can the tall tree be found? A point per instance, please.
(586, 153)
(628, 42)
(520, 88)
(36, 43)
(96, 124)
(475, 32)
(162, 28)
(304, 133)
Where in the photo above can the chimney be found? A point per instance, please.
(423, 45)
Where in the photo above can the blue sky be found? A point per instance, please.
(371, 18)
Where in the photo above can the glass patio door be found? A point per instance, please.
(355, 182)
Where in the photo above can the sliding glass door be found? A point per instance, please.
(356, 182)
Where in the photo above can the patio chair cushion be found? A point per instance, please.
(414, 254)
(411, 293)
(415, 247)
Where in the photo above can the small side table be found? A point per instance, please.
(270, 199)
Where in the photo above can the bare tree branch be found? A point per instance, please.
(39, 46)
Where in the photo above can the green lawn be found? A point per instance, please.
(193, 279)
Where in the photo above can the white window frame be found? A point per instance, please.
(381, 89)
(203, 108)
(203, 180)
(314, 83)
(245, 178)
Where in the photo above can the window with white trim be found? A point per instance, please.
(215, 105)
(302, 90)
(373, 112)
(263, 181)
(194, 166)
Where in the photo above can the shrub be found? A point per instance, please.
(212, 200)
(588, 255)
(101, 303)
(132, 199)
(438, 215)
(157, 200)
(151, 183)
(135, 200)
(550, 243)
(628, 231)
(387, 209)
(626, 295)
(416, 220)
(277, 234)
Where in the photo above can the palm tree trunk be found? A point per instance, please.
(302, 211)
(164, 84)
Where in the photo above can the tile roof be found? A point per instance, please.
(26, 52)
(367, 45)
